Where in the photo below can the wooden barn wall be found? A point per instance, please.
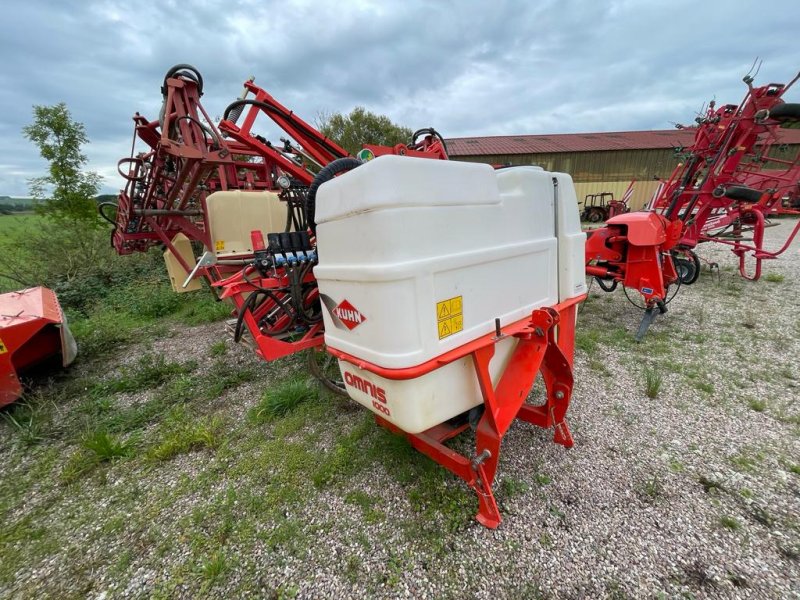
(611, 165)
(612, 170)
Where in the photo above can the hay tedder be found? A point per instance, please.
(441, 289)
(720, 185)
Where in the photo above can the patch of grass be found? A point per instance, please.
(746, 461)
(182, 434)
(543, 479)
(28, 420)
(148, 372)
(218, 348)
(366, 503)
(212, 568)
(729, 523)
(774, 278)
(512, 486)
(757, 404)
(282, 399)
(95, 448)
(653, 488)
(347, 455)
(704, 386)
(105, 446)
(587, 340)
(652, 382)
(222, 377)
(201, 307)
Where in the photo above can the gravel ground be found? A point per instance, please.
(693, 493)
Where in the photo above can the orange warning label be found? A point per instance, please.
(449, 317)
(219, 245)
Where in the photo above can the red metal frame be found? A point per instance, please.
(730, 148)
(546, 345)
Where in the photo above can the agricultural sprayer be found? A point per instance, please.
(718, 185)
(441, 289)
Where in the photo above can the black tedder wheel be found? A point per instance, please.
(740, 192)
(325, 367)
(687, 266)
(787, 114)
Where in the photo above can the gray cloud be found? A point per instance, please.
(467, 68)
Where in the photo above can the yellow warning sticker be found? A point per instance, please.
(449, 317)
(220, 245)
(3, 348)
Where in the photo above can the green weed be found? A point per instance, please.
(652, 382)
(181, 434)
(729, 523)
(774, 278)
(282, 399)
(218, 348)
(105, 446)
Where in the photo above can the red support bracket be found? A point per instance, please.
(538, 349)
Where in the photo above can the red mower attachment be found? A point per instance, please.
(32, 330)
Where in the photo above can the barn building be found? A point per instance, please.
(599, 162)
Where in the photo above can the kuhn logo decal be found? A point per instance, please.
(348, 314)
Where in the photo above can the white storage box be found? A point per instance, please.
(419, 256)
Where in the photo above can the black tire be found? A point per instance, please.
(740, 192)
(595, 215)
(787, 114)
(687, 266)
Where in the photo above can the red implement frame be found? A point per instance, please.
(705, 192)
(546, 345)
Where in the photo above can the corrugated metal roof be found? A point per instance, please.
(582, 142)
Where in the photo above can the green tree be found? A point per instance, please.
(361, 127)
(66, 192)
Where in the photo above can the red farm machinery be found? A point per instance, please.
(33, 332)
(369, 263)
(718, 186)
(603, 206)
(331, 254)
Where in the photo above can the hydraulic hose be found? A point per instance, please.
(337, 167)
(429, 131)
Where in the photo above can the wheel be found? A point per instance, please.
(687, 266)
(787, 114)
(325, 367)
(740, 192)
(595, 215)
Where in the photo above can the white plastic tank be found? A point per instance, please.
(420, 256)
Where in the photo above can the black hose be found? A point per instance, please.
(321, 139)
(429, 131)
(100, 210)
(189, 72)
(331, 170)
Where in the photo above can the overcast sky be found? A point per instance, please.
(466, 68)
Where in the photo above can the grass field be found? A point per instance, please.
(171, 463)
